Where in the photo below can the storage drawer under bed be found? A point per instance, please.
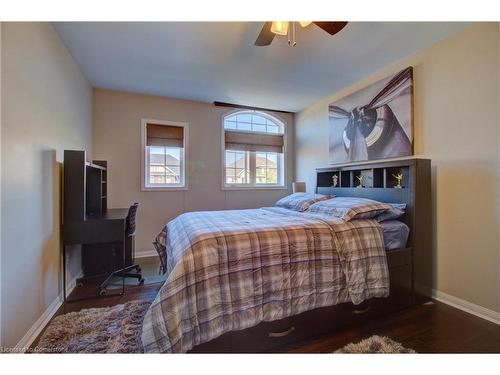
(269, 335)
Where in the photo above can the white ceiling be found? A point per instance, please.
(218, 62)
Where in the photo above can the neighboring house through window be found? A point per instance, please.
(254, 148)
(164, 153)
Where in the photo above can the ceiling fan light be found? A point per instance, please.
(279, 27)
(305, 23)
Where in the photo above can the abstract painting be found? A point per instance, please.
(375, 122)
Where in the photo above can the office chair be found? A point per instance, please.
(129, 241)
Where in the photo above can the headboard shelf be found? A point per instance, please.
(381, 177)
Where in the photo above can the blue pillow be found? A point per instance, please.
(397, 210)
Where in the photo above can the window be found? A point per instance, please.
(164, 145)
(254, 147)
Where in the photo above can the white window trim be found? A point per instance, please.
(185, 158)
(273, 117)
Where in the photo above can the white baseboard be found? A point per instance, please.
(146, 254)
(30, 336)
(467, 306)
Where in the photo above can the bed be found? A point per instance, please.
(251, 280)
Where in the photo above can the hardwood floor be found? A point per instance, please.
(428, 328)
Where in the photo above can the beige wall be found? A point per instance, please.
(117, 139)
(1, 341)
(46, 105)
(457, 126)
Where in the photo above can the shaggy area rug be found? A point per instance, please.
(115, 329)
(375, 344)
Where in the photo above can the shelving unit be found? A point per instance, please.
(85, 188)
(103, 165)
(381, 177)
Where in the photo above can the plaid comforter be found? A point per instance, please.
(230, 270)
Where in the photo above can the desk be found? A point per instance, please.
(105, 228)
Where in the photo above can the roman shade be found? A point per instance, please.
(165, 135)
(244, 141)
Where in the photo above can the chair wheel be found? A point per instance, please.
(103, 292)
(141, 281)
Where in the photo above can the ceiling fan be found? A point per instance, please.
(272, 28)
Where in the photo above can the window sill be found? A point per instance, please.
(229, 187)
(165, 188)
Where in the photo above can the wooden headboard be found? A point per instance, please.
(379, 183)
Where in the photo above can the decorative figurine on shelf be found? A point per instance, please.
(335, 180)
(398, 177)
(360, 179)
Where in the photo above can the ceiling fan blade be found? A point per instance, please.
(266, 36)
(331, 28)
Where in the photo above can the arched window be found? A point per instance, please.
(254, 147)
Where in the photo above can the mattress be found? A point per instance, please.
(395, 234)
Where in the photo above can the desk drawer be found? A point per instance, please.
(90, 232)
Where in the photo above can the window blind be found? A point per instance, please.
(241, 141)
(165, 135)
